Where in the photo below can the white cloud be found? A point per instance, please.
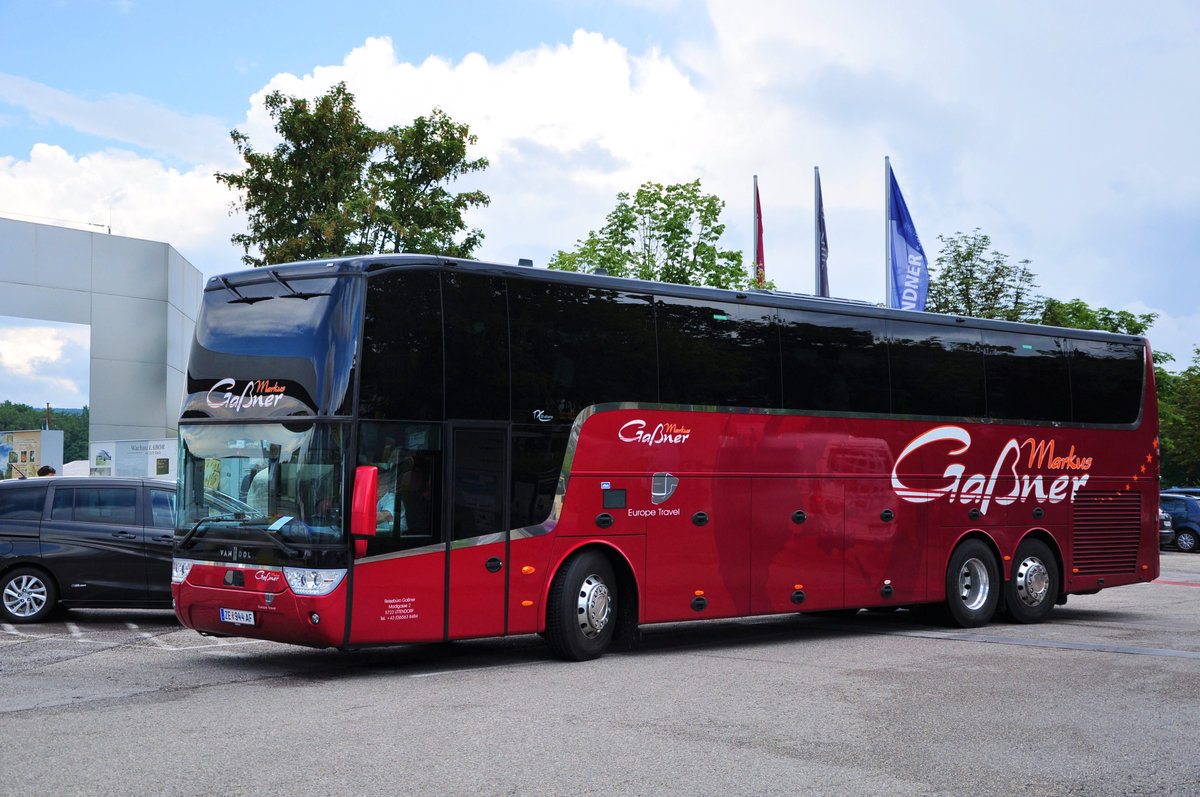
(42, 364)
(138, 196)
(126, 118)
(24, 349)
(1059, 133)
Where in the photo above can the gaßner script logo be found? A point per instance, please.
(663, 433)
(1014, 471)
(257, 393)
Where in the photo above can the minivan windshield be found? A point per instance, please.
(271, 483)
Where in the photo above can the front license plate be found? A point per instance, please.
(237, 617)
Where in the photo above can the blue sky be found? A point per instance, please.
(1063, 130)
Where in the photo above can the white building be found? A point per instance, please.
(140, 300)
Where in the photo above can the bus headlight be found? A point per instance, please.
(180, 569)
(313, 582)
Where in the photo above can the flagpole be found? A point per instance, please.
(887, 243)
(817, 230)
(754, 229)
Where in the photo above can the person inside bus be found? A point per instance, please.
(385, 506)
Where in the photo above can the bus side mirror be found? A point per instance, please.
(366, 497)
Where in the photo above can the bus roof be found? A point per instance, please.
(369, 264)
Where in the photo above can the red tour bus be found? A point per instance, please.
(396, 449)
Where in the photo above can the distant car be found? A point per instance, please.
(1166, 532)
(1192, 491)
(84, 542)
(1185, 519)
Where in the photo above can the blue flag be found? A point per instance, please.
(908, 271)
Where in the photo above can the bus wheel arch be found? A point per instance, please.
(1035, 584)
(592, 600)
(973, 582)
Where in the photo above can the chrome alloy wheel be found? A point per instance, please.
(594, 607)
(1033, 581)
(974, 586)
(25, 595)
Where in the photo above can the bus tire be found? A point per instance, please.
(581, 611)
(972, 585)
(1033, 589)
(27, 595)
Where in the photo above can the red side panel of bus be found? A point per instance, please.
(399, 598)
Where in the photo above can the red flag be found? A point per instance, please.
(760, 263)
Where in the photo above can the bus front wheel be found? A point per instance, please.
(581, 613)
(1033, 589)
(972, 584)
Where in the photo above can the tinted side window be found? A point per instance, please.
(717, 354)
(833, 363)
(64, 504)
(22, 503)
(115, 505)
(935, 370)
(402, 347)
(1106, 381)
(537, 458)
(408, 507)
(476, 313)
(574, 346)
(1027, 377)
(162, 509)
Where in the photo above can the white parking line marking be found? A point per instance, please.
(10, 629)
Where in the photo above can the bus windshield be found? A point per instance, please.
(278, 483)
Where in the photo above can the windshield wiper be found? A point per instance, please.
(240, 298)
(292, 293)
(278, 543)
(187, 538)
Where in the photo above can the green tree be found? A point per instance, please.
(1077, 314)
(334, 186)
(664, 233)
(969, 280)
(1179, 423)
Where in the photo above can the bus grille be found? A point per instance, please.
(1106, 531)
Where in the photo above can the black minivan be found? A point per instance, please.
(84, 542)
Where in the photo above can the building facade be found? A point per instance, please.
(139, 299)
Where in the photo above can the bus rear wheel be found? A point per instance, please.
(581, 612)
(1033, 589)
(972, 585)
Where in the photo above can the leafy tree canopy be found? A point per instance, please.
(969, 280)
(1179, 424)
(334, 186)
(663, 233)
(1077, 314)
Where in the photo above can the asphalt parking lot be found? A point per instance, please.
(1103, 699)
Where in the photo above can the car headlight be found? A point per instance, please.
(180, 569)
(313, 582)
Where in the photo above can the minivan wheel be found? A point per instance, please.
(27, 595)
(1186, 541)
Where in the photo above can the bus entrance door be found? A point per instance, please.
(478, 564)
